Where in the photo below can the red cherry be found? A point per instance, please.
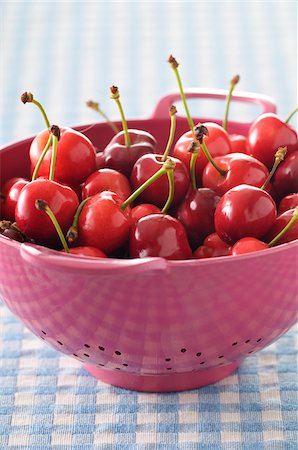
(288, 202)
(244, 211)
(212, 246)
(159, 235)
(142, 210)
(106, 180)
(157, 193)
(280, 222)
(103, 224)
(286, 175)
(75, 156)
(247, 245)
(238, 143)
(8, 205)
(218, 143)
(36, 225)
(240, 169)
(266, 134)
(117, 155)
(87, 251)
(196, 213)
(100, 160)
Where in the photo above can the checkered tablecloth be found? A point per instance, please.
(69, 52)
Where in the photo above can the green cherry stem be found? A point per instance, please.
(279, 157)
(233, 83)
(285, 229)
(194, 149)
(42, 156)
(172, 112)
(291, 115)
(170, 174)
(115, 95)
(168, 165)
(95, 106)
(174, 64)
(211, 160)
(42, 205)
(55, 131)
(72, 233)
(27, 97)
(200, 131)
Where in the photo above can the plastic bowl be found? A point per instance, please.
(150, 324)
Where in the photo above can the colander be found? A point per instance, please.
(151, 324)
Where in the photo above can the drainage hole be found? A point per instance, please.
(221, 356)
(183, 350)
(203, 362)
(117, 352)
(101, 348)
(43, 332)
(248, 340)
(59, 342)
(169, 368)
(125, 365)
(86, 345)
(235, 343)
(74, 354)
(167, 359)
(198, 354)
(259, 340)
(86, 354)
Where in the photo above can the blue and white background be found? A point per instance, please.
(67, 52)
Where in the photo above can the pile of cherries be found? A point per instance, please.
(208, 194)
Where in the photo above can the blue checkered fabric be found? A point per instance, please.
(70, 52)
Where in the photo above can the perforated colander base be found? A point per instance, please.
(163, 383)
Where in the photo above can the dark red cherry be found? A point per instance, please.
(286, 175)
(280, 222)
(288, 202)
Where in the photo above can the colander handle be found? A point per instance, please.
(266, 104)
(46, 259)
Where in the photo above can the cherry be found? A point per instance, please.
(10, 230)
(266, 134)
(244, 211)
(285, 219)
(62, 200)
(239, 169)
(102, 222)
(87, 251)
(290, 201)
(75, 155)
(142, 210)
(196, 213)
(247, 245)
(106, 180)
(11, 197)
(286, 176)
(238, 143)
(212, 246)
(159, 235)
(128, 145)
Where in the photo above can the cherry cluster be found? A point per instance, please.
(210, 193)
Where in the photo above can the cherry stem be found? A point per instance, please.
(42, 205)
(194, 149)
(55, 131)
(115, 96)
(8, 225)
(279, 157)
(72, 233)
(169, 164)
(95, 106)
(291, 115)
(200, 131)
(174, 64)
(27, 97)
(170, 174)
(211, 160)
(285, 229)
(42, 156)
(172, 112)
(233, 83)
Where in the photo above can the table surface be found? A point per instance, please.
(70, 52)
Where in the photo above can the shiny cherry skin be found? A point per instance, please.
(8, 205)
(142, 210)
(238, 143)
(35, 224)
(240, 169)
(244, 211)
(159, 235)
(86, 251)
(157, 193)
(218, 143)
(100, 160)
(76, 158)
(119, 157)
(212, 246)
(286, 175)
(266, 134)
(196, 213)
(107, 180)
(103, 224)
(280, 222)
(247, 245)
(288, 202)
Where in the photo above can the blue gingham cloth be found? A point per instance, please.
(70, 52)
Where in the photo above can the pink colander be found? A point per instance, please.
(150, 324)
